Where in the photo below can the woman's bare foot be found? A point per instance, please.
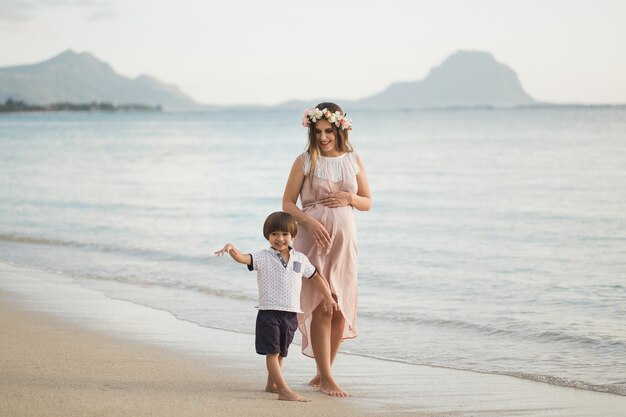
(290, 395)
(315, 382)
(271, 387)
(331, 388)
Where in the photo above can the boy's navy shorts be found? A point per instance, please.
(274, 331)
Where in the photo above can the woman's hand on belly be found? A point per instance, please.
(339, 199)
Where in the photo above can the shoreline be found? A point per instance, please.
(195, 367)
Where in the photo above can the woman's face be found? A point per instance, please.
(325, 136)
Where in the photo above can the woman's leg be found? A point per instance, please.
(336, 334)
(325, 347)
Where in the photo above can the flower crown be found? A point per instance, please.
(340, 120)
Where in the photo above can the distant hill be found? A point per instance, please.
(464, 79)
(82, 78)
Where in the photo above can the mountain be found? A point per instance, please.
(464, 79)
(82, 78)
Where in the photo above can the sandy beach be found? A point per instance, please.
(53, 368)
(69, 351)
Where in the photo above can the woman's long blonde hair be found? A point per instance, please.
(342, 142)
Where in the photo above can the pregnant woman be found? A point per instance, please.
(330, 180)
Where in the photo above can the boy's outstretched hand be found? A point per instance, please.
(226, 249)
(235, 254)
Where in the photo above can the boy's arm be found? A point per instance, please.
(242, 258)
(322, 286)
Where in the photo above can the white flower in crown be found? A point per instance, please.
(315, 115)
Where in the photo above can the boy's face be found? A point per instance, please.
(280, 240)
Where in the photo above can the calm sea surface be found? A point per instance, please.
(496, 241)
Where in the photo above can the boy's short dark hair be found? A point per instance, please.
(280, 221)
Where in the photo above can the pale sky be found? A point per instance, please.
(267, 52)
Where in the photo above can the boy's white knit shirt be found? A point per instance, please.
(279, 287)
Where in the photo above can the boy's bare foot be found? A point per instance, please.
(332, 389)
(315, 382)
(270, 387)
(292, 396)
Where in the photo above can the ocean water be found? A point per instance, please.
(496, 241)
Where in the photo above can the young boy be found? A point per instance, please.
(279, 277)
